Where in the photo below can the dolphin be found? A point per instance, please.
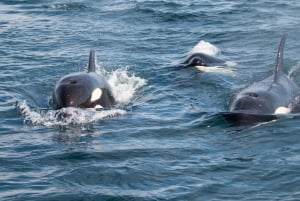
(83, 89)
(265, 99)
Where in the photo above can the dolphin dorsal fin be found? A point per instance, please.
(92, 62)
(279, 59)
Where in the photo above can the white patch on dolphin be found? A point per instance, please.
(214, 69)
(98, 107)
(96, 95)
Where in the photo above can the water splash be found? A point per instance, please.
(65, 116)
(206, 48)
(124, 87)
(230, 63)
(294, 70)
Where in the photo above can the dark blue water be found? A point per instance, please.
(165, 140)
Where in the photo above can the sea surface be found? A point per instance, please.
(165, 140)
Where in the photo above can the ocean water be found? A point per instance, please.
(165, 139)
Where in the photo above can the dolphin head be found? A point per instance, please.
(252, 103)
(198, 60)
(75, 90)
(201, 59)
(83, 89)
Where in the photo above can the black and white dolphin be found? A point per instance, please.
(261, 101)
(83, 89)
(205, 57)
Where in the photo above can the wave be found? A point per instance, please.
(68, 6)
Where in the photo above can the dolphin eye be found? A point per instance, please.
(252, 94)
(73, 81)
(198, 62)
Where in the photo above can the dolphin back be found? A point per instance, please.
(279, 59)
(92, 62)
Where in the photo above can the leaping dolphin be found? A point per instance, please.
(83, 89)
(274, 95)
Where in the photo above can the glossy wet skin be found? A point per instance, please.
(201, 59)
(265, 97)
(73, 91)
(76, 90)
(254, 103)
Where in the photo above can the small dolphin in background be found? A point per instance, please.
(203, 57)
(83, 89)
(263, 100)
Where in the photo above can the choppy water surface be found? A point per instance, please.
(165, 139)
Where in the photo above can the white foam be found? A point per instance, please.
(124, 86)
(230, 63)
(65, 116)
(294, 70)
(206, 48)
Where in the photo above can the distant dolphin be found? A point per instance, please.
(203, 60)
(274, 95)
(83, 89)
